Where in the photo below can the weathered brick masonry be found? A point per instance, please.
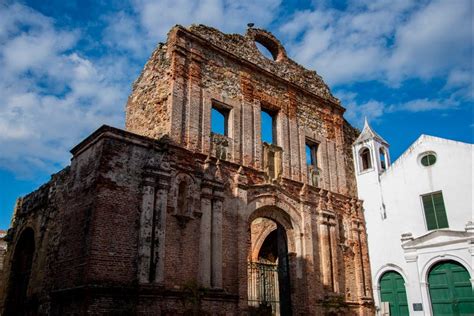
(156, 220)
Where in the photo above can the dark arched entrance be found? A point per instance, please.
(392, 290)
(17, 302)
(450, 290)
(268, 269)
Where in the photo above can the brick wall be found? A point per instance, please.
(156, 219)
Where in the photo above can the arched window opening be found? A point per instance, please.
(383, 159)
(183, 198)
(17, 302)
(366, 162)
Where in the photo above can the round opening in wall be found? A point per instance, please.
(428, 159)
(265, 51)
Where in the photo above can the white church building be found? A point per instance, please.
(419, 213)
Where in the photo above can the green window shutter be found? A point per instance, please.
(429, 212)
(435, 212)
(440, 211)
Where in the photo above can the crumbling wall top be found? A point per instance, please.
(244, 47)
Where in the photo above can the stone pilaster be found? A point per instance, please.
(210, 245)
(195, 106)
(359, 261)
(247, 119)
(152, 221)
(205, 236)
(216, 239)
(325, 179)
(161, 206)
(243, 237)
(257, 140)
(179, 95)
(146, 228)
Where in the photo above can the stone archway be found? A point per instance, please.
(268, 261)
(17, 302)
(260, 229)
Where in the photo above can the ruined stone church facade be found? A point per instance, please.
(168, 218)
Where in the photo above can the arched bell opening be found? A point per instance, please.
(365, 159)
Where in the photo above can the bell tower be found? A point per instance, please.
(371, 153)
(371, 160)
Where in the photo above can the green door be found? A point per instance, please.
(392, 290)
(450, 290)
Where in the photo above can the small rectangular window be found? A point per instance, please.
(435, 213)
(312, 154)
(311, 149)
(268, 126)
(219, 120)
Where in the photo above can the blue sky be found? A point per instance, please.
(66, 67)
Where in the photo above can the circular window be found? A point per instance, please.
(428, 160)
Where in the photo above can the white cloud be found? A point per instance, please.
(356, 111)
(383, 40)
(51, 96)
(374, 110)
(124, 32)
(139, 31)
(159, 16)
(423, 105)
(435, 39)
(458, 77)
(460, 84)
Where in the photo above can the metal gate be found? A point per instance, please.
(263, 290)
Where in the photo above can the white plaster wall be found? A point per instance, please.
(400, 189)
(418, 268)
(407, 179)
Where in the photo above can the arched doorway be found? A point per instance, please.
(17, 302)
(392, 290)
(450, 290)
(268, 268)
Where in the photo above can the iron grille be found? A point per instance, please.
(263, 286)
